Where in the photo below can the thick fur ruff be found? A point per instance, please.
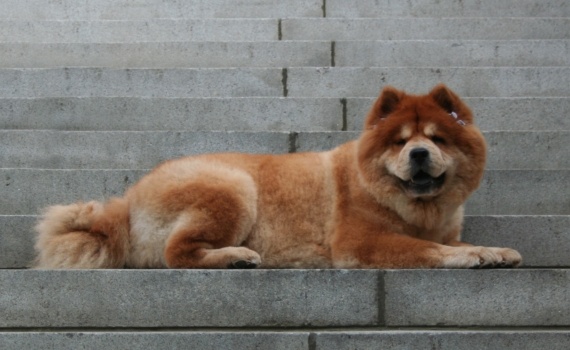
(391, 199)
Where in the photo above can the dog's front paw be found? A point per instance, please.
(244, 258)
(481, 257)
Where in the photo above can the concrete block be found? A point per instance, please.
(167, 340)
(192, 114)
(323, 141)
(515, 114)
(188, 298)
(17, 240)
(452, 53)
(485, 28)
(27, 191)
(100, 82)
(443, 339)
(466, 81)
(542, 240)
(126, 149)
(167, 55)
(521, 192)
(145, 9)
(118, 31)
(447, 8)
(477, 298)
(528, 150)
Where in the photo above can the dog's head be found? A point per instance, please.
(422, 146)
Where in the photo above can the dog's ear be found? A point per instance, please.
(386, 103)
(451, 103)
(445, 98)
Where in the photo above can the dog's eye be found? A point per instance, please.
(401, 142)
(439, 140)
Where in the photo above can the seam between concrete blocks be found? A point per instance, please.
(284, 81)
(279, 30)
(344, 117)
(312, 341)
(381, 298)
(333, 45)
(293, 141)
(324, 7)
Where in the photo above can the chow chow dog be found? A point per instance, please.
(393, 198)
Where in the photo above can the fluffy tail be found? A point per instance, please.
(83, 236)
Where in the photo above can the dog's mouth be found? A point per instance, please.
(422, 183)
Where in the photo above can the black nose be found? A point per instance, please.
(419, 155)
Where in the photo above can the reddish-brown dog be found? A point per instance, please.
(391, 199)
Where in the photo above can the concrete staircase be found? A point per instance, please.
(92, 93)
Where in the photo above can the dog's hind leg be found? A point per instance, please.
(211, 229)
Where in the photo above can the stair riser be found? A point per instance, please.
(425, 28)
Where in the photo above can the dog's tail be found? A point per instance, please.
(83, 236)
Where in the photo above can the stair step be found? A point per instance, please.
(464, 28)
(197, 114)
(177, 54)
(86, 82)
(447, 8)
(145, 9)
(284, 298)
(293, 82)
(492, 114)
(465, 81)
(399, 53)
(465, 53)
(291, 340)
(47, 31)
(543, 241)
(145, 149)
(254, 113)
(186, 298)
(502, 192)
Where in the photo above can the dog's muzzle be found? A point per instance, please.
(421, 182)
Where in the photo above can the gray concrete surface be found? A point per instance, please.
(477, 298)
(444, 339)
(521, 192)
(145, 9)
(541, 240)
(100, 82)
(291, 340)
(183, 298)
(447, 8)
(168, 54)
(126, 149)
(465, 81)
(156, 340)
(425, 28)
(452, 53)
(116, 31)
(191, 114)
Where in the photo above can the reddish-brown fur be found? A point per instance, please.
(361, 205)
